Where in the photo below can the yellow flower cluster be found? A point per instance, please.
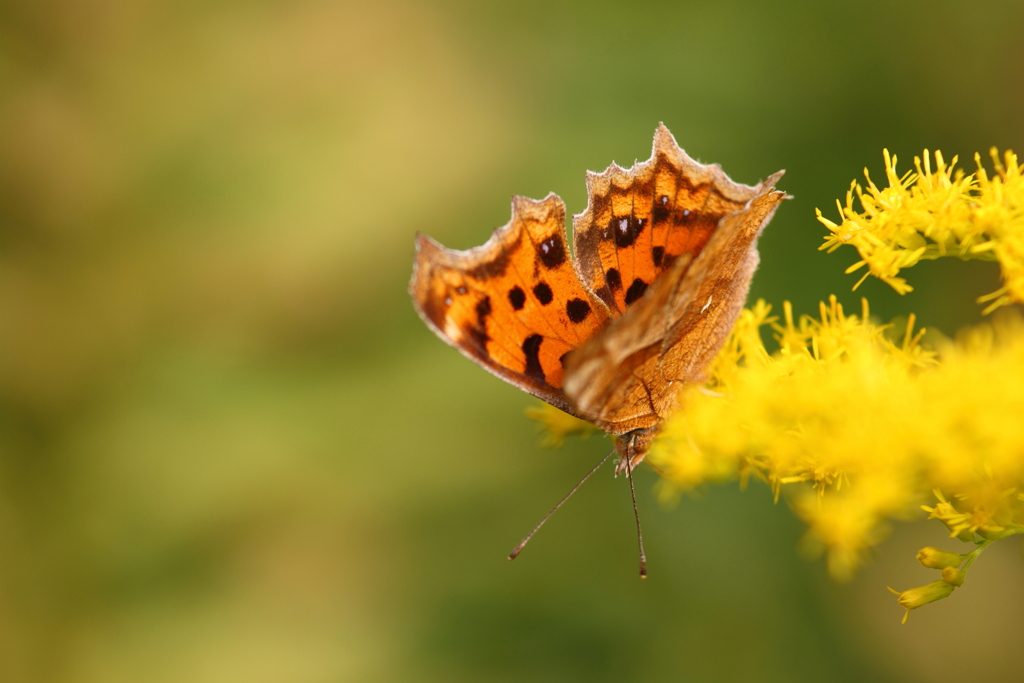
(928, 214)
(858, 428)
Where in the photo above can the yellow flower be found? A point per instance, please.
(928, 214)
(953, 576)
(857, 426)
(917, 597)
(957, 523)
(934, 558)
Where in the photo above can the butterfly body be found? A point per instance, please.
(663, 258)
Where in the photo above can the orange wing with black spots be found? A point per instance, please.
(515, 304)
(640, 220)
(664, 255)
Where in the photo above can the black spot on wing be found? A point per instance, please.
(483, 309)
(613, 279)
(578, 310)
(517, 297)
(635, 291)
(531, 348)
(479, 331)
(543, 293)
(658, 255)
(624, 230)
(551, 252)
(662, 211)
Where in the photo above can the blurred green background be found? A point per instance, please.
(229, 450)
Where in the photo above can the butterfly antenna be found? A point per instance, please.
(519, 548)
(636, 515)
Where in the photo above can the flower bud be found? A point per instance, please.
(938, 559)
(915, 597)
(953, 576)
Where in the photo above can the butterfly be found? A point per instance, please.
(661, 264)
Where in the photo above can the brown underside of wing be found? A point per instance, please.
(628, 377)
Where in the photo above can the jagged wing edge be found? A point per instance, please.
(666, 143)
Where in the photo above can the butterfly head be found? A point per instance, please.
(632, 448)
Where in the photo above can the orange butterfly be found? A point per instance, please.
(663, 258)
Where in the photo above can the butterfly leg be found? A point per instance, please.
(632, 447)
(636, 516)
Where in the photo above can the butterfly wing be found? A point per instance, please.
(628, 376)
(514, 305)
(639, 221)
(609, 334)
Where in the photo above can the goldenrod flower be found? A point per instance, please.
(953, 576)
(928, 214)
(959, 524)
(933, 558)
(858, 426)
(918, 597)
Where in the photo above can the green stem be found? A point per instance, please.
(973, 555)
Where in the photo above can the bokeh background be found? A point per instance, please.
(229, 451)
